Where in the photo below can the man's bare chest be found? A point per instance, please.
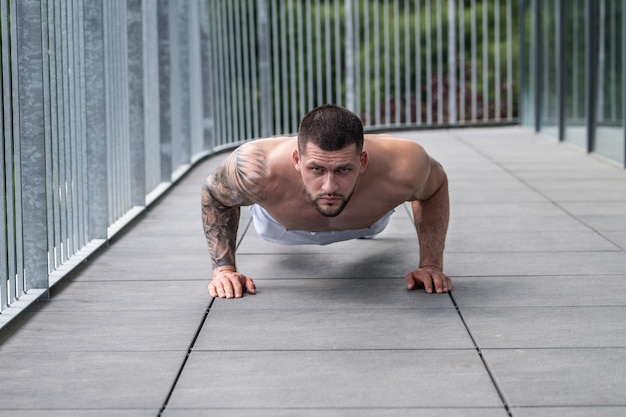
(301, 214)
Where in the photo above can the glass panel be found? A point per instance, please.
(528, 63)
(575, 48)
(549, 75)
(609, 140)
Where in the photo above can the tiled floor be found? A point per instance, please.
(535, 326)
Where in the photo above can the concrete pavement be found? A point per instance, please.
(535, 326)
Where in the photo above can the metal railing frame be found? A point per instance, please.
(106, 104)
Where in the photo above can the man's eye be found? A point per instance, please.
(316, 169)
(344, 170)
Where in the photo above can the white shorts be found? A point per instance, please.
(272, 231)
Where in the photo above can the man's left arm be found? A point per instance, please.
(431, 213)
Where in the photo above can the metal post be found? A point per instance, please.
(562, 77)
(136, 102)
(350, 104)
(624, 85)
(591, 52)
(452, 118)
(165, 94)
(32, 147)
(264, 68)
(206, 54)
(95, 119)
(538, 61)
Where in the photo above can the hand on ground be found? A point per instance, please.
(432, 279)
(228, 283)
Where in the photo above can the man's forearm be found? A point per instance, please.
(220, 229)
(431, 222)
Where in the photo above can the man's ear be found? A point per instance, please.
(296, 159)
(364, 161)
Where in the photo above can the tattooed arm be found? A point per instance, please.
(236, 182)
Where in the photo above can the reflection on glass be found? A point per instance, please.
(528, 63)
(549, 72)
(575, 47)
(609, 135)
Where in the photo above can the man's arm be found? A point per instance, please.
(431, 213)
(233, 184)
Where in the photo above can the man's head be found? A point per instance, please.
(330, 128)
(330, 157)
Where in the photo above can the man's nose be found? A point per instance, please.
(329, 185)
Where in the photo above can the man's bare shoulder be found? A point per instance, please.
(254, 167)
(394, 144)
(402, 158)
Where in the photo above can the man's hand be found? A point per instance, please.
(431, 278)
(228, 283)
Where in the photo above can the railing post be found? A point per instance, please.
(136, 86)
(623, 74)
(180, 84)
(452, 62)
(264, 68)
(591, 71)
(165, 89)
(95, 119)
(32, 144)
(206, 68)
(349, 56)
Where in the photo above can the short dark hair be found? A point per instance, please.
(330, 128)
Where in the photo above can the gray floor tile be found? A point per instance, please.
(584, 190)
(183, 269)
(521, 263)
(540, 241)
(611, 208)
(588, 411)
(540, 291)
(619, 238)
(546, 327)
(87, 380)
(336, 379)
(560, 377)
(341, 412)
(506, 209)
(322, 329)
(47, 412)
(334, 294)
(105, 296)
(519, 223)
(605, 223)
(469, 192)
(104, 331)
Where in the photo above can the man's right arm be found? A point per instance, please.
(234, 183)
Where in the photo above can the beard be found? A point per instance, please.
(330, 210)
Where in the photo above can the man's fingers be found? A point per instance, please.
(231, 286)
(212, 291)
(237, 288)
(250, 287)
(410, 281)
(442, 283)
(431, 281)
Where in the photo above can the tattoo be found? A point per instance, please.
(238, 181)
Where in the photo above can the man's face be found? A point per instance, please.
(330, 178)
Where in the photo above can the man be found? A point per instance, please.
(329, 180)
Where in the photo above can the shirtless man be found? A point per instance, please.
(331, 180)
